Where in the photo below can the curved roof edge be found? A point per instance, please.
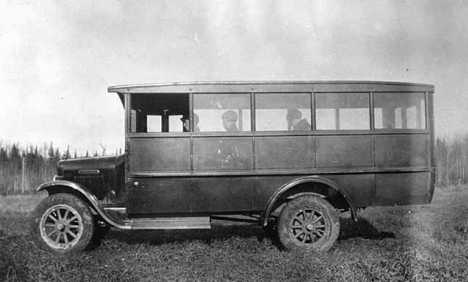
(128, 87)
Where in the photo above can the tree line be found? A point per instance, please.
(22, 169)
(452, 160)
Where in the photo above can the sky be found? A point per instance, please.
(57, 58)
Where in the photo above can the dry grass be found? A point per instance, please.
(20, 203)
(413, 243)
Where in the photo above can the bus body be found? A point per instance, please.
(291, 153)
(379, 150)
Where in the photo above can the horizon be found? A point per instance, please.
(58, 58)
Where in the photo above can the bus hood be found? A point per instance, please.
(106, 163)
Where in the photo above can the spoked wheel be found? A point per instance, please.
(308, 223)
(62, 223)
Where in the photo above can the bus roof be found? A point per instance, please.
(271, 86)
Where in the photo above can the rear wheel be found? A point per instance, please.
(62, 223)
(308, 223)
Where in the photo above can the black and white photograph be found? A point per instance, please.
(233, 140)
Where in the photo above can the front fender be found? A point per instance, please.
(64, 186)
(53, 187)
(307, 179)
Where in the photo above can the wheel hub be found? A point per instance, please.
(308, 226)
(60, 226)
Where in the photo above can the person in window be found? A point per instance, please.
(296, 121)
(196, 119)
(230, 120)
(186, 123)
(228, 150)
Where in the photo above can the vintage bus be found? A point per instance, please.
(289, 154)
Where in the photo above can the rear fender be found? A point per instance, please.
(304, 180)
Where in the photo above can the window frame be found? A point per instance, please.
(370, 110)
(426, 121)
(310, 118)
(253, 115)
(222, 133)
(128, 118)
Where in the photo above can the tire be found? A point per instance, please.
(62, 223)
(308, 223)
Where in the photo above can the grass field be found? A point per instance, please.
(412, 243)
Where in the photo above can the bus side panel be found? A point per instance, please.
(158, 195)
(162, 194)
(159, 154)
(287, 153)
(267, 187)
(222, 194)
(402, 189)
(222, 154)
(224, 160)
(402, 151)
(359, 187)
(345, 151)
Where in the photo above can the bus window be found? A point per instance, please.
(399, 111)
(342, 111)
(282, 112)
(222, 112)
(158, 112)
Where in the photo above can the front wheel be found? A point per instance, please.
(308, 223)
(62, 223)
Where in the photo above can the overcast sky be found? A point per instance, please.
(57, 58)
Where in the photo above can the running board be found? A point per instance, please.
(200, 222)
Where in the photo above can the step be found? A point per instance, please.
(200, 222)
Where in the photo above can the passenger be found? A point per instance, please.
(196, 119)
(230, 120)
(186, 123)
(296, 121)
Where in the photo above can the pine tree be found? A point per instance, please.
(3, 155)
(15, 153)
(36, 151)
(56, 155)
(67, 155)
(50, 153)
